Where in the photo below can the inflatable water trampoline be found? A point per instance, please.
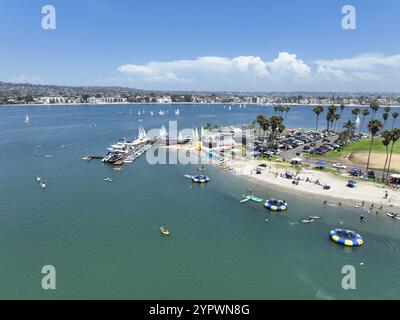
(276, 205)
(346, 238)
(200, 179)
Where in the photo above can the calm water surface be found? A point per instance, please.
(104, 239)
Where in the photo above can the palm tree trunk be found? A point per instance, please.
(390, 161)
(369, 154)
(386, 162)
(315, 136)
(341, 119)
(362, 124)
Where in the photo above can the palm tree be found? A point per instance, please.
(276, 125)
(395, 115)
(317, 110)
(337, 118)
(386, 109)
(261, 120)
(374, 126)
(386, 139)
(365, 114)
(385, 117)
(374, 107)
(355, 112)
(350, 128)
(342, 106)
(287, 109)
(395, 136)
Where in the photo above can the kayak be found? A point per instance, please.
(393, 215)
(253, 198)
(165, 231)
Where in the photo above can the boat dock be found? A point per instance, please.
(125, 151)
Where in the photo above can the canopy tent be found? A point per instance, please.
(321, 163)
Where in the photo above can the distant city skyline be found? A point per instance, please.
(212, 46)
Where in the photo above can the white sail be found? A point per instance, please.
(151, 113)
(138, 113)
(27, 120)
(177, 112)
(144, 133)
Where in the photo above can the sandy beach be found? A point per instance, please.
(369, 192)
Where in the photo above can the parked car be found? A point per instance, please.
(339, 166)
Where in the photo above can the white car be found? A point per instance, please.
(339, 166)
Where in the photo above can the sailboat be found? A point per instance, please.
(177, 112)
(151, 113)
(139, 113)
(27, 120)
(161, 113)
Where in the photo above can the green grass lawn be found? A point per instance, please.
(362, 145)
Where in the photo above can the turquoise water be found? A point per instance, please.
(104, 239)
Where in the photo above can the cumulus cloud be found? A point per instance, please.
(285, 72)
(288, 65)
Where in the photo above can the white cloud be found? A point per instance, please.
(285, 72)
(363, 62)
(288, 65)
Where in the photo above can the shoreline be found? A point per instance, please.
(368, 192)
(187, 103)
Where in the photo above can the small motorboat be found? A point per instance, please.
(307, 221)
(108, 179)
(360, 205)
(38, 179)
(314, 217)
(118, 169)
(165, 231)
(43, 184)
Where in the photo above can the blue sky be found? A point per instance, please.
(203, 45)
